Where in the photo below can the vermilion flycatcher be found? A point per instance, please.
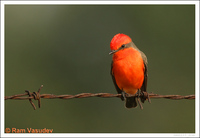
(128, 69)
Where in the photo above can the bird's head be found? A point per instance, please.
(119, 42)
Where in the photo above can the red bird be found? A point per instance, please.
(128, 69)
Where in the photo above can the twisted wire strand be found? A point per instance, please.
(85, 95)
(38, 96)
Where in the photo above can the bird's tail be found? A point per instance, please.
(131, 102)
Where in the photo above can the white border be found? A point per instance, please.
(105, 134)
(2, 70)
(197, 68)
(98, 2)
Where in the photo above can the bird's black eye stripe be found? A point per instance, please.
(123, 46)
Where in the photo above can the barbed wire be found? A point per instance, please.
(38, 96)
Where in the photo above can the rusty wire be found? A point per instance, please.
(38, 96)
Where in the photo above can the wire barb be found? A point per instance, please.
(35, 96)
(30, 99)
(38, 96)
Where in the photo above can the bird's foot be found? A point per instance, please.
(138, 97)
(123, 95)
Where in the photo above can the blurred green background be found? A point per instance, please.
(65, 48)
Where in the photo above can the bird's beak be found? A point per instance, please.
(112, 52)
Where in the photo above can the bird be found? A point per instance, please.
(128, 69)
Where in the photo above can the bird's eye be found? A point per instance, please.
(123, 46)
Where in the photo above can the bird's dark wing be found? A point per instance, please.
(144, 85)
(119, 91)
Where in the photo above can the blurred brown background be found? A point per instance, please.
(65, 48)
